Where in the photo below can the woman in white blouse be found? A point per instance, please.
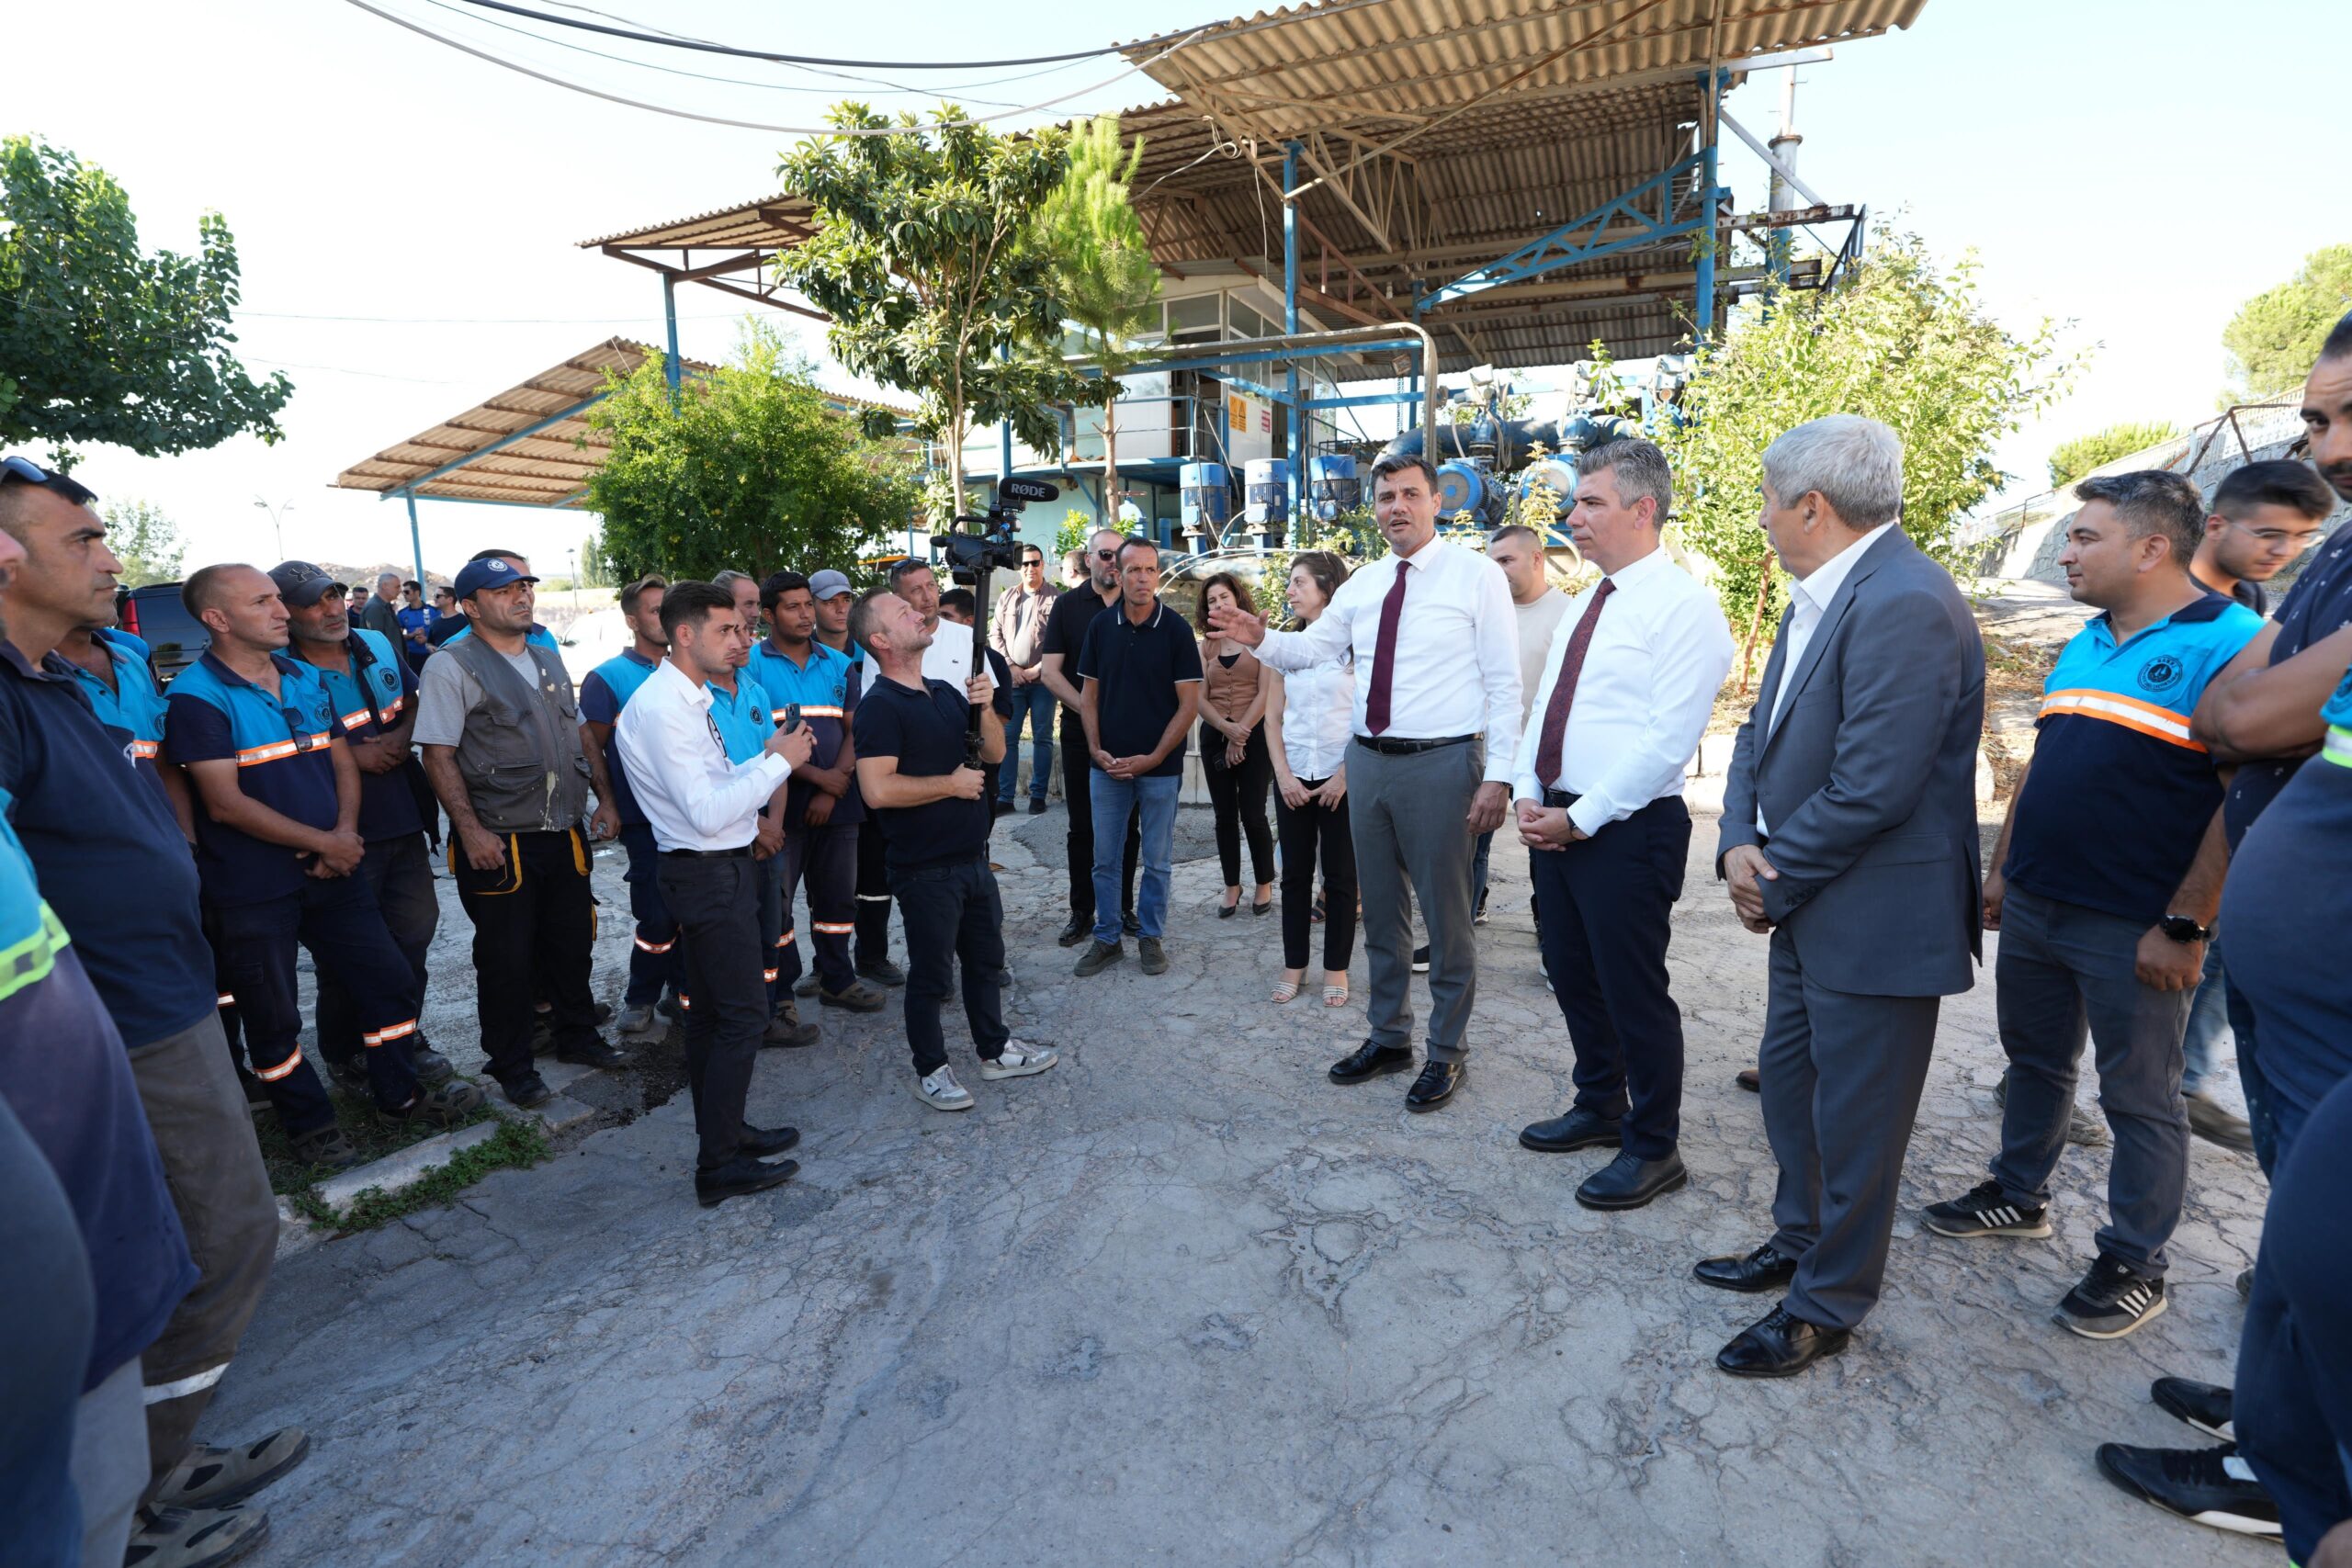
(1309, 716)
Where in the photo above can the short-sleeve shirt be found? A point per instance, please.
(1072, 617)
(826, 688)
(925, 730)
(2320, 602)
(603, 693)
(447, 693)
(537, 634)
(2119, 793)
(743, 718)
(370, 697)
(131, 709)
(107, 850)
(65, 1076)
(1139, 669)
(285, 757)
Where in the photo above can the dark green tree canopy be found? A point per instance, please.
(2276, 335)
(2072, 460)
(102, 343)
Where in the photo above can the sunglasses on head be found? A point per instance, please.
(24, 471)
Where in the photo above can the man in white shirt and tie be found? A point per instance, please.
(1626, 690)
(705, 813)
(1429, 768)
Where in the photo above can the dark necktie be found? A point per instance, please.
(1384, 653)
(1563, 690)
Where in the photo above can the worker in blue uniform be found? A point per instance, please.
(654, 957)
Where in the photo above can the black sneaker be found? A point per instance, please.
(2204, 1406)
(431, 1066)
(1098, 957)
(1983, 1212)
(1037, 808)
(528, 1091)
(2209, 1486)
(882, 972)
(595, 1053)
(1421, 959)
(2113, 1300)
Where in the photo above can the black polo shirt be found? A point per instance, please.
(1067, 624)
(109, 856)
(925, 730)
(1139, 669)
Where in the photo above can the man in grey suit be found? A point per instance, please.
(1850, 835)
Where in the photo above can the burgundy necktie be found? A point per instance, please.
(1563, 690)
(1384, 653)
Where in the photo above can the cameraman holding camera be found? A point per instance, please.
(920, 781)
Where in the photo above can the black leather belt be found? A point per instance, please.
(1561, 798)
(1390, 745)
(710, 854)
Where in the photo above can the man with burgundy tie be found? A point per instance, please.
(1626, 691)
(1436, 735)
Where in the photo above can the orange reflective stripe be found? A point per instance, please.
(273, 1074)
(2130, 712)
(144, 748)
(786, 939)
(390, 712)
(645, 946)
(227, 1000)
(826, 928)
(771, 975)
(277, 749)
(386, 1035)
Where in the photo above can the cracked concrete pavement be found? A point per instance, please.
(1183, 1300)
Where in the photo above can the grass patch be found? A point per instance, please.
(372, 1135)
(516, 1145)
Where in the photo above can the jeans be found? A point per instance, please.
(1078, 776)
(1153, 801)
(1034, 703)
(1478, 858)
(2209, 1020)
(954, 920)
(1311, 833)
(1237, 797)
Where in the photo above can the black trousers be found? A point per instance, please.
(717, 903)
(1313, 833)
(654, 947)
(399, 873)
(824, 858)
(1077, 799)
(873, 919)
(336, 918)
(954, 920)
(1237, 797)
(535, 922)
(1609, 901)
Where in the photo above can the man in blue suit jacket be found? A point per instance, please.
(1850, 835)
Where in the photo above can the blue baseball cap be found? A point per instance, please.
(495, 572)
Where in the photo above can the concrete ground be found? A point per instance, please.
(1183, 1300)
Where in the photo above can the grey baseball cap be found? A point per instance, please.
(828, 584)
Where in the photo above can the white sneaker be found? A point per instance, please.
(942, 1092)
(1020, 1060)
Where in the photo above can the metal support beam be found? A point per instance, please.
(574, 411)
(415, 540)
(1295, 421)
(1704, 291)
(670, 319)
(1644, 215)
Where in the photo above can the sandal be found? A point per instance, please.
(1335, 996)
(1284, 991)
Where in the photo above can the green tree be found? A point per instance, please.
(1902, 341)
(594, 572)
(1102, 267)
(2072, 459)
(920, 258)
(102, 343)
(144, 540)
(2276, 335)
(744, 468)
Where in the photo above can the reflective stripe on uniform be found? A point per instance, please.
(279, 749)
(145, 748)
(391, 710)
(769, 974)
(227, 1000)
(2132, 713)
(2337, 747)
(828, 928)
(656, 947)
(158, 1393)
(389, 1034)
(272, 1074)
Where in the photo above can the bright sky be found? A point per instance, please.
(407, 216)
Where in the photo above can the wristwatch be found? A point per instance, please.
(2180, 928)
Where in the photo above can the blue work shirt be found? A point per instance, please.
(741, 716)
(109, 851)
(2119, 793)
(370, 697)
(537, 634)
(826, 689)
(64, 1074)
(133, 708)
(606, 691)
(418, 620)
(283, 747)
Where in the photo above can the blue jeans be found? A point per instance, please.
(1034, 703)
(2209, 1020)
(1153, 800)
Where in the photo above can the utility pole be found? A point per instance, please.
(277, 521)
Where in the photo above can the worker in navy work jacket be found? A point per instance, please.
(374, 693)
(276, 844)
(653, 961)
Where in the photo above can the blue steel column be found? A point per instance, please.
(1705, 288)
(669, 317)
(415, 540)
(1294, 417)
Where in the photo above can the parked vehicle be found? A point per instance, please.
(154, 614)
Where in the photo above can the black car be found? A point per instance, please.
(154, 614)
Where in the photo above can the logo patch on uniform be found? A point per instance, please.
(2161, 673)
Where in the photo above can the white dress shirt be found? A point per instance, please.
(1808, 597)
(948, 659)
(694, 797)
(1658, 656)
(1318, 716)
(1456, 665)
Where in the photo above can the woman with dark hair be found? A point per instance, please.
(1233, 746)
(1310, 714)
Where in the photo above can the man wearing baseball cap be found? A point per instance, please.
(834, 599)
(500, 725)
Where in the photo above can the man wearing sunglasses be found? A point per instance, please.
(1066, 628)
(278, 841)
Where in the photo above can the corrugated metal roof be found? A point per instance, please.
(547, 467)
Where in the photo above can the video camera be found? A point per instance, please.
(993, 548)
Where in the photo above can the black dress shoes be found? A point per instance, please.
(1435, 1086)
(1629, 1181)
(1579, 1129)
(1369, 1061)
(740, 1176)
(1781, 1346)
(1075, 932)
(1766, 1269)
(761, 1142)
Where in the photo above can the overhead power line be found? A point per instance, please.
(671, 40)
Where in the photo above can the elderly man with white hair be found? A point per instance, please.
(1850, 835)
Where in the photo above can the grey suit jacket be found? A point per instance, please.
(1868, 782)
